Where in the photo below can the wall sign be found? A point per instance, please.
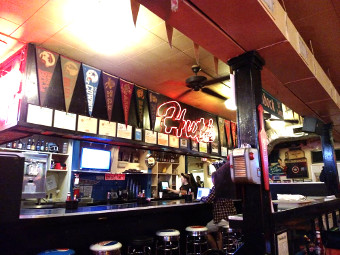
(114, 177)
(173, 122)
(282, 244)
(271, 104)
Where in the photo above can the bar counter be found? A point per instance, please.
(42, 229)
(100, 209)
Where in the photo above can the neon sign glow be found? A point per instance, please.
(173, 122)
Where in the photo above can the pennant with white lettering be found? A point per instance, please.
(140, 99)
(153, 103)
(126, 89)
(110, 85)
(91, 79)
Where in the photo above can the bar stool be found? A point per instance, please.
(168, 242)
(106, 248)
(232, 240)
(196, 240)
(58, 252)
(141, 245)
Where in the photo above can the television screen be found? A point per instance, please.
(95, 159)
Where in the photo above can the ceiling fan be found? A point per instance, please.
(200, 83)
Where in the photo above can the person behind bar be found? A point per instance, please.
(220, 196)
(200, 184)
(186, 185)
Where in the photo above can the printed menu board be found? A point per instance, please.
(87, 124)
(107, 128)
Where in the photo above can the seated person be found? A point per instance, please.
(223, 206)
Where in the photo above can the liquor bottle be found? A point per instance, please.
(38, 145)
(28, 146)
(9, 145)
(42, 146)
(20, 145)
(46, 146)
(14, 145)
(33, 145)
(68, 198)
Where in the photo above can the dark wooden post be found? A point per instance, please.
(256, 201)
(330, 168)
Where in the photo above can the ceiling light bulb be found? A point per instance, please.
(230, 104)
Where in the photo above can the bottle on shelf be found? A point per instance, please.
(29, 143)
(14, 145)
(33, 145)
(42, 146)
(38, 145)
(20, 145)
(9, 145)
(46, 146)
(68, 198)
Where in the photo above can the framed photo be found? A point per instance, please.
(124, 131)
(224, 151)
(138, 134)
(215, 148)
(183, 143)
(107, 128)
(203, 147)
(173, 141)
(163, 139)
(194, 145)
(150, 136)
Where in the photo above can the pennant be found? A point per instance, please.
(91, 78)
(169, 32)
(216, 64)
(234, 134)
(227, 129)
(197, 52)
(70, 69)
(134, 9)
(46, 62)
(174, 5)
(126, 89)
(221, 131)
(140, 98)
(153, 103)
(110, 85)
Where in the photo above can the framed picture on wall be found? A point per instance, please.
(194, 145)
(138, 134)
(215, 148)
(183, 143)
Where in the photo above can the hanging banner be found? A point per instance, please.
(169, 32)
(134, 9)
(126, 89)
(46, 62)
(91, 78)
(153, 103)
(227, 129)
(234, 134)
(271, 104)
(221, 131)
(70, 69)
(140, 98)
(110, 85)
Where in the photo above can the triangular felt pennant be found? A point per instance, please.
(153, 103)
(91, 78)
(134, 9)
(169, 32)
(174, 5)
(126, 89)
(227, 129)
(110, 85)
(46, 62)
(140, 95)
(234, 134)
(216, 64)
(197, 52)
(70, 69)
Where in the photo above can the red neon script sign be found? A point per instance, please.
(173, 122)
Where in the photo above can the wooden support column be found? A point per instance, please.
(256, 201)
(329, 160)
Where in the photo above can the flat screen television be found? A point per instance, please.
(95, 159)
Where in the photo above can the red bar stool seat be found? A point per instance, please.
(196, 240)
(58, 252)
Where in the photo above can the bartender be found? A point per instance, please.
(186, 186)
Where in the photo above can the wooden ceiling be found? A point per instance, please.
(101, 33)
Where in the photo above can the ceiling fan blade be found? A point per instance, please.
(183, 94)
(216, 80)
(213, 93)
